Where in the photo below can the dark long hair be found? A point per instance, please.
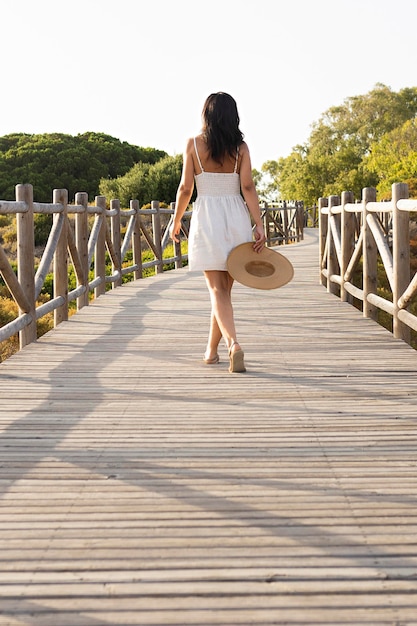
(221, 126)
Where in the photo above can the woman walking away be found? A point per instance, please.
(218, 160)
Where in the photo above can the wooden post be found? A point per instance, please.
(116, 240)
(266, 224)
(400, 257)
(177, 246)
(137, 241)
(348, 241)
(370, 257)
(323, 221)
(81, 242)
(25, 260)
(156, 228)
(60, 196)
(332, 263)
(100, 252)
(285, 222)
(300, 220)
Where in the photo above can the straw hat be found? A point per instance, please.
(267, 269)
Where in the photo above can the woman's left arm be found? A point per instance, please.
(251, 197)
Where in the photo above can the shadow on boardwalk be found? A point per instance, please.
(141, 487)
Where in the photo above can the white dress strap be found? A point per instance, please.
(237, 157)
(198, 156)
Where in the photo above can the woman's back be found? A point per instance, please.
(218, 181)
(204, 161)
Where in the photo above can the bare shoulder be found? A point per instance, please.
(190, 158)
(244, 149)
(200, 142)
(244, 156)
(189, 146)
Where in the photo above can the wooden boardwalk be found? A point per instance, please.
(139, 486)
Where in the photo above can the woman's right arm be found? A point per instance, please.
(184, 192)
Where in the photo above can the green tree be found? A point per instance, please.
(334, 158)
(163, 179)
(58, 160)
(132, 185)
(146, 182)
(394, 159)
(265, 182)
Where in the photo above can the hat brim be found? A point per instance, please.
(267, 269)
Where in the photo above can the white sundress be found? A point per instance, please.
(220, 219)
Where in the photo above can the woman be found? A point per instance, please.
(218, 161)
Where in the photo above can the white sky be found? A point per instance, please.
(140, 70)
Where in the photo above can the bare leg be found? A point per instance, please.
(222, 322)
(214, 338)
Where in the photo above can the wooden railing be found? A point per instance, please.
(378, 234)
(82, 241)
(82, 235)
(283, 222)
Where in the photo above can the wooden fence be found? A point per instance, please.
(83, 235)
(283, 222)
(378, 234)
(82, 241)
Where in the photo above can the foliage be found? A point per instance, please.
(127, 187)
(58, 160)
(163, 179)
(42, 227)
(265, 182)
(338, 154)
(8, 235)
(146, 182)
(8, 312)
(5, 220)
(394, 159)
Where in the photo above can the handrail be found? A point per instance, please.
(83, 235)
(379, 234)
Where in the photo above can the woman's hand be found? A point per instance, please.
(174, 231)
(260, 238)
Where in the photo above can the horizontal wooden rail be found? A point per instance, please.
(81, 235)
(89, 238)
(378, 234)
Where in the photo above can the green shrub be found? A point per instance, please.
(9, 234)
(5, 220)
(43, 225)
